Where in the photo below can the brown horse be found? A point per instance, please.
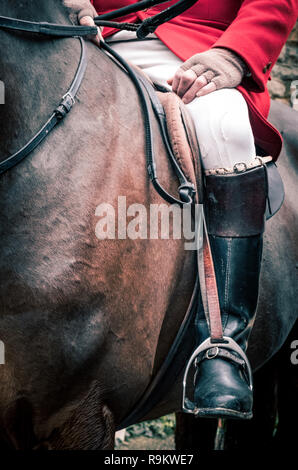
(87, 322)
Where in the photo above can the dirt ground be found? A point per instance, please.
(148, 443)
(157, 434)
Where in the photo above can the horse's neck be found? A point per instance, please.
(36, 72)
(34, 10)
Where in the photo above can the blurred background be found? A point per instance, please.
(285, 72)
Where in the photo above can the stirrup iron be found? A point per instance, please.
(188, 406)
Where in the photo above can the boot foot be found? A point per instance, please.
(222, 390)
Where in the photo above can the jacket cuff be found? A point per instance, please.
(252, 80)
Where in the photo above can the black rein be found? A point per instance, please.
(149, 25)
(68, 100)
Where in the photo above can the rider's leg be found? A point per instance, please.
(235, 207)
(223, 129)
(151, 55)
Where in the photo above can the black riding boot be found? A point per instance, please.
(235, 208)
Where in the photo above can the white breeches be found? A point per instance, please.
(221, 118)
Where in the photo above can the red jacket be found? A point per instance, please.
(255, 29)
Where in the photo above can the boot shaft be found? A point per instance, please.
(235, 207)
(235, 203)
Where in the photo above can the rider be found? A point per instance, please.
(217, 56)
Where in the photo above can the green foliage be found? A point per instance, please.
(161, 428)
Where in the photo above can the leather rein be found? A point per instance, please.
(150, 24)
(68, 100)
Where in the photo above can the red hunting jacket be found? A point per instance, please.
(255, 29)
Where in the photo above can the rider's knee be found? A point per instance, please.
(223, 129)
(234, 132)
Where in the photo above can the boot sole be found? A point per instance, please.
(222, 413)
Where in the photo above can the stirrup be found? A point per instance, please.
(188, 406)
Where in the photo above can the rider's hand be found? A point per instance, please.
(87, 20)
(206, 72)
(85, 14)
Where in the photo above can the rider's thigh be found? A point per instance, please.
(223, 128)
(151, 55)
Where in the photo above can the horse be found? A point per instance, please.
(87, 322)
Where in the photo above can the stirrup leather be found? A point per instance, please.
(188, 406)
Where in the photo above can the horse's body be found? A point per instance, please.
(81, 317)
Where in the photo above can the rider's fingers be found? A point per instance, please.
(88, 21)
(207, 89)
(197, 85)
(186, 81)
(174, 81)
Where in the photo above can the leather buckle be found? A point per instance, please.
(65, 105)
(187, 192)
(67, 101)
(214, 354)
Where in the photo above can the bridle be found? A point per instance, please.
(68, 100)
